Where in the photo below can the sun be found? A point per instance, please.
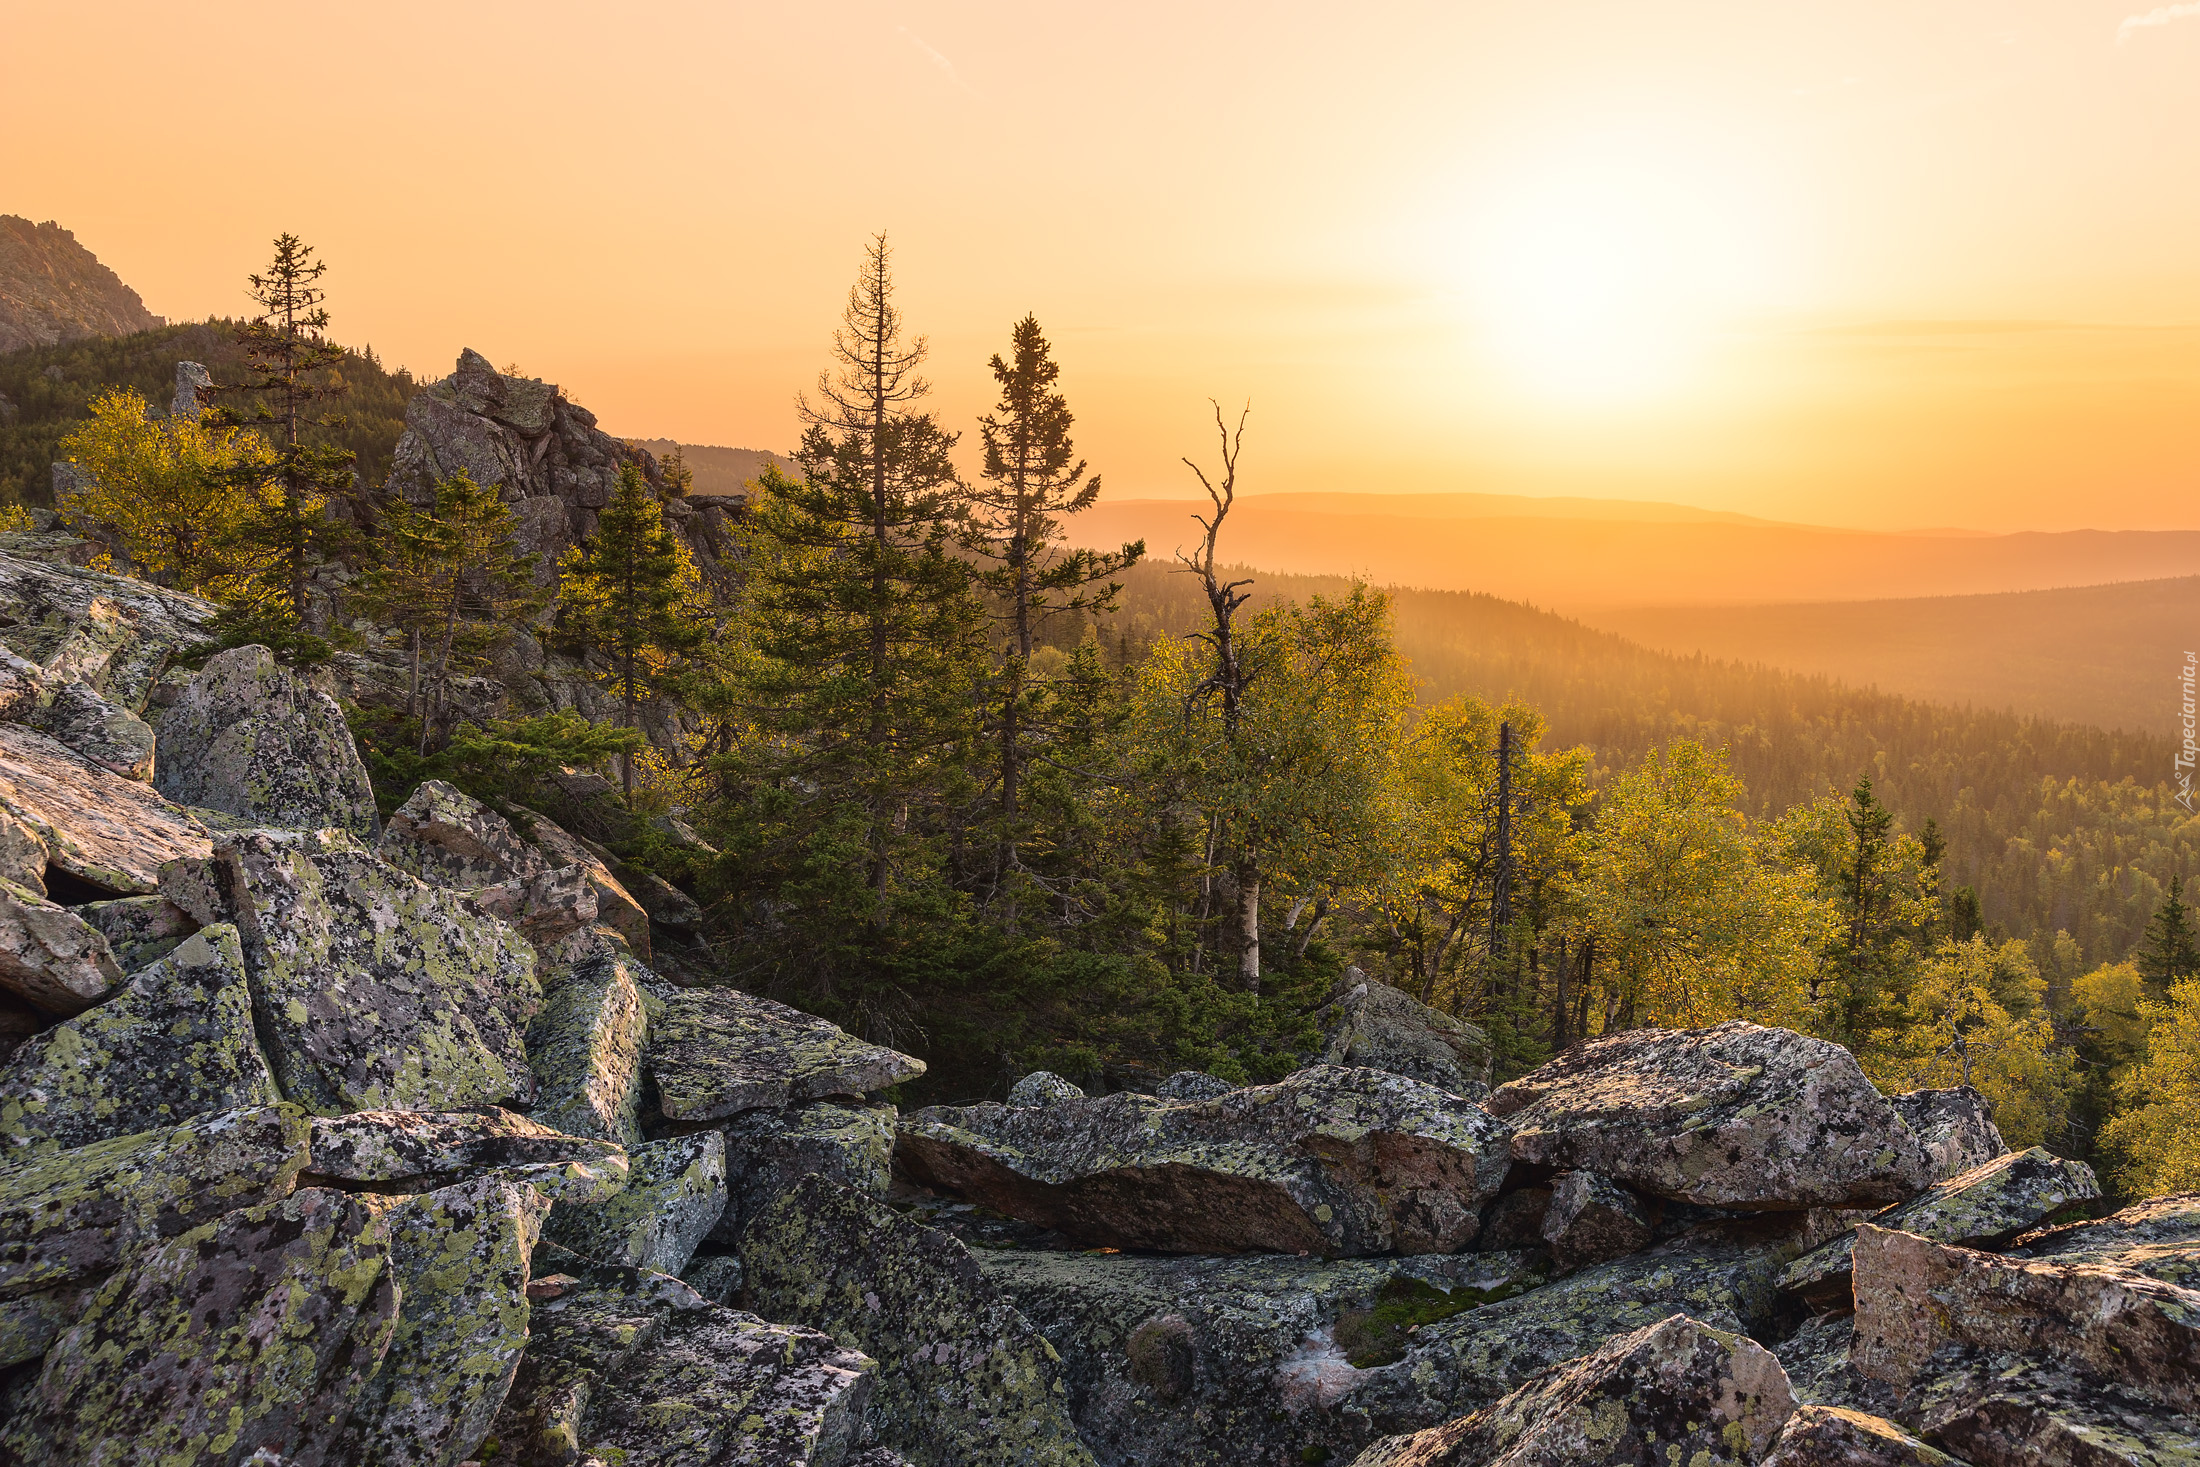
(1603, 277)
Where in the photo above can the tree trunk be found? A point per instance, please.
(1248, 923)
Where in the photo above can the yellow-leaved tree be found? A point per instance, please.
(2157, 1132)
(1978, 1016)
(174, 490)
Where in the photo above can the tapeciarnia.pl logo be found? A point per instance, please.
(2188, 722)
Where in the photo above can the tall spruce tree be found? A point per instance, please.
(2169, 951)
(627, 592)
(1032, 477)
(865, 633)
(288, 527)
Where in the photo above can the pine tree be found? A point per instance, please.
(1032, 478)
(626, 592)
(2170, 951)
(867, 637)
(289, 527)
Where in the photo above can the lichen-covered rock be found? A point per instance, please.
(52, 957)
(1955, 1126)
(636, 1368)
(443, 835)
(2159, 1237)
(1245, 1359)
(674, 1195)
(716, 1276)
(114, 634)
(22, 855)
(97, 826)
(585, 1043)
(965, 1379)
(768, 1151)
(1916, 1297)
(616, 907)
(1192, 1085)
(544, 907)
(258, 1329)
(1593, 1219)
(140, 929)
(1041, 1088)
(1374, 1026)
(1832, 1436)
(69, 1218)
(1998, 1412)
(113, 738)
(1677, 1391)
(1331, 1161)
(1736, 1116)
(1984, 1207)
(421, 1151)
(716, 1052)
(1816, 1358)
(251, 738)
(372, 989)
(1515, 1220)
(460, 1259)
(176, 1042)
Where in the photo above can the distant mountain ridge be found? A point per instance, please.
(53, 290)
(717, 470)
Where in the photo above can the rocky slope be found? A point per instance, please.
(331, 1140)
(52, 289)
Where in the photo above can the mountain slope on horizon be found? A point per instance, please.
(717, 470)
(2106, 655)
(1583, 563)
(53, 290)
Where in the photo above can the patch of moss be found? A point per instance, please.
(1378, 1335)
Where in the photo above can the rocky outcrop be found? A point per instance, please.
(371, 989)
(176, 1042)
(1331, 1161)
(1372, 1025)
(1833, 1436)
(1042, 1088)
(1818, 1364)
(1592, 1219)
(769, 1151)
(251, 738)
(140, 929)
(716, 1052)
(633, 1367)
(965, 1381)
(584, 1044)
(1736, 1116)
(401, 1151)
(448, 838)
(1678, 1391)
(111, 833)
(52, 289)
(110, 634)
(1984, 1207)
(50, 956)
(2159, 1238)
(1955, 1127)
(675, 1193)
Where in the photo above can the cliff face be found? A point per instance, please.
(52, 289)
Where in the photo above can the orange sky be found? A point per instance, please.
(1875, 262)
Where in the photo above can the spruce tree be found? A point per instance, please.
(2169, 951)
(289, 527)
(1032, 477)
(626, 592)
(865, 634)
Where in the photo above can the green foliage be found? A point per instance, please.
(2156, 1137)
(501, 763)
(49, 407)
(1380, 1333)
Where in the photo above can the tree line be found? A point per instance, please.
(949, 804)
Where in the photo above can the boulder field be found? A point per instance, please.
(331, 1139)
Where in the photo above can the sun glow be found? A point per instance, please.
(1604, 277)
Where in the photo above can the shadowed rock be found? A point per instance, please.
(1999, 1412)
(1954, 1126)
(97, 826)
(717, 1052)
(1331, 1161)
(1592, 1219)
(965, 1379)
(251, 738)
(258, 1329)
(1915, 1297)
(176, 1042)
(637, 1368)
(1831, 1436)
(674, 1195)
(459, 1257)
(768, 1151)
(1736, 1116)
(1192, 1085)
(1250, 1358)
(1984, 1207)
(1816, 1358)
(1678, 1391)
(585, 1043)
(139, 929)
(1042, 1088)
(371, 989)
(52, 957)
(420, 1151)
(1374, 1026)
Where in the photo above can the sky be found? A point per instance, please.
(1876, 263)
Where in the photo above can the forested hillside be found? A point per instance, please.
(51, 389)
